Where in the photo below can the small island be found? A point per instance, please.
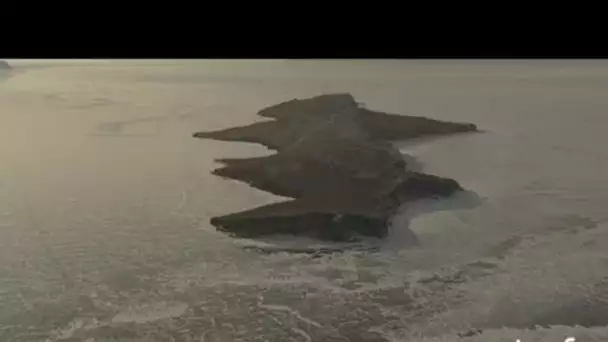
(336, 160)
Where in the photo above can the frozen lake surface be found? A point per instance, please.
(105, 199)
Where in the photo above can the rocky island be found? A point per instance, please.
(336, 160)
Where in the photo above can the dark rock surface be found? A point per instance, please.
(336, 160)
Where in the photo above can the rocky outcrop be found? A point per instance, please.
(336, 160)
(4, 65)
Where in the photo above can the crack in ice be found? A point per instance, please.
(291, 311)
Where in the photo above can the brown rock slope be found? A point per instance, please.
(335, 159)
